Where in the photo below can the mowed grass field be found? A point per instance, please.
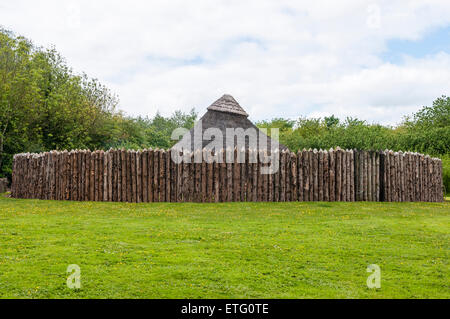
(226, 250)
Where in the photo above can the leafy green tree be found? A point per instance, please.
(44, 105)
(156, 132)
(429, 129)
(331, 121)
(18, 92)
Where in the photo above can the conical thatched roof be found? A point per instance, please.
(227, 104)
(222, 114)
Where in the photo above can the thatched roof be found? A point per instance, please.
(222, 114)
(227, 104)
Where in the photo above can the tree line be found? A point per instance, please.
(426, 131)
(45, 105)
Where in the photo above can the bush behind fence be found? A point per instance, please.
(152, 176)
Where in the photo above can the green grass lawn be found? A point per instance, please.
(229, 250)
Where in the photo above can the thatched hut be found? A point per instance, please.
(223, 114)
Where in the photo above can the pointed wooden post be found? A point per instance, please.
(283, 176)
(357, 174)
(255, 164)
(388, 183)
(59, 172)
(344, 181)
(421, 178)
(150, 172)
(432, 181)
(436, 179)
(413, 176)
(144, 176)
(427, 178)
(91, 159)
(259, 179)
(277, 177)
(294, 176)
(287, 169)
(107, 161)
(97, 168)
(408, 180)
(203, 178)
(185, 179)
(300, 176)
(221, 177)
(85, 175)
(395, 176)
(173, 177)
(128, 179)
(122, 182)
(418, 178)
(138, 177)
(269, 178)
(401, 175)
(243, 173)
(377, 176)
(361, 179)
(179, 180)
(74, 177)
(36, 167)
(320, 176)
(162, 176)
(52, 186)
(155, 185)
(326, 176)
(117, 187)
(80, 175)
(235, 177)
(440, 181)
(102, 169)
(391, 176)
(338, 174)
(167, 175)
(229, 176)
(315, 176)
(56, 173)
(332, 174)
(216, 179)
(133, 188)
(374, 176)
(383, 177)
(265, 179)
(306, 175)
(369, 176)
(115, 173)
(347, 175)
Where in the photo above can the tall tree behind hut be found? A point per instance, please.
(44, 105)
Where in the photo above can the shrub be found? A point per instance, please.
(446, 172)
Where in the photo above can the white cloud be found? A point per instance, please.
(278, 58)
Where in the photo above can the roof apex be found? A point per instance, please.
(227, 104)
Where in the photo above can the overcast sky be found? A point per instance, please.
(375, 60)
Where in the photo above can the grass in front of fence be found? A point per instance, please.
(230, 250)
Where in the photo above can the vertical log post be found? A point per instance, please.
(338, 174)
(332, 173)
(320, 176)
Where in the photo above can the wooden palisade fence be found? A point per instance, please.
(151, 176)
